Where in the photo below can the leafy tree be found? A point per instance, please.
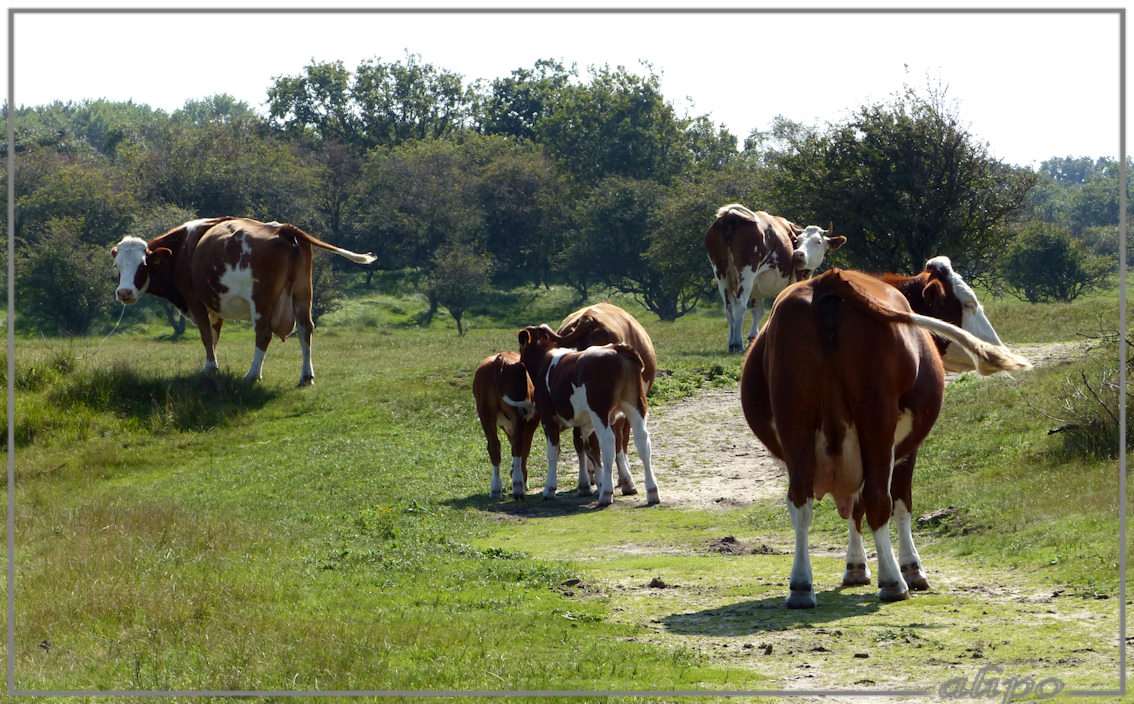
(619, 124)
(904, 182)
(459, 276)
(514, 105)
(1044, 264)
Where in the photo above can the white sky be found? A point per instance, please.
(1032, 85)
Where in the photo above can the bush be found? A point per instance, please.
(1044, 264)
(64, 284)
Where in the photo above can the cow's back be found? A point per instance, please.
(604, 324)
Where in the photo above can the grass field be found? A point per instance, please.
(182, 532)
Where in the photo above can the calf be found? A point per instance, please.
(588, 389)
(843, 384)
(602, 324)
(503, 395)
(230, 268)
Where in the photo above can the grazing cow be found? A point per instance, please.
(603, 324)
(230, 268)
(843, 384)
(589, 390)
(503, 394)
(756, 255)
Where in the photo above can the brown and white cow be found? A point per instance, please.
(230, 268)
(587, 389)
(503, 394)
(604, 324)
(843, 384)
(755, 255)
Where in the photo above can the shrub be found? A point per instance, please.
(1044, 264)
(62, 282)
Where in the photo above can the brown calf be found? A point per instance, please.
(503, 394)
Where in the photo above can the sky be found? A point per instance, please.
(1030, 84)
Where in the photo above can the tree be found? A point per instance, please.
(904, 182)
(458, 277)
(62, 282)
(514, 105)
(1044, 264)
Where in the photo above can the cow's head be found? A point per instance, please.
(537, 336)
(516, 387)
(811, 245)
(949, 298)
(132, 260)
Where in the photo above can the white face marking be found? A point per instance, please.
(814, 245)
(131, 255)
(973, 319)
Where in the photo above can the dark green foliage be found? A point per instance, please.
(904, 181)
(65, 284)
(459, 277)
(1044, 264)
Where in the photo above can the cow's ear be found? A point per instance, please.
(525, 338)
(934, 294)
(114, 252)
(834, 243)
(157, 256)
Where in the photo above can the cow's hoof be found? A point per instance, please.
(548, 494)
(735, 349)
(496, 493)
(628, 490)
(652, 497)
(584, 491)
(801, 597)
(856, 575)
(306, 381)
(893, 591)
(915, 577)
(606, 499)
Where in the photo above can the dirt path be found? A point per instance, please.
(707, 457)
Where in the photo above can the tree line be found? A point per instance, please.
(550, 175)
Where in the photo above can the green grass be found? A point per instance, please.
(176, 531)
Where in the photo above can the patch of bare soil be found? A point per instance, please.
(707, 457)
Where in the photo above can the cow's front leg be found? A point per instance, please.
(209, 326)
(263, 328)
(857, 572)
(757, 316)
(607, 444)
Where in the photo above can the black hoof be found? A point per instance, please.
(856, 575)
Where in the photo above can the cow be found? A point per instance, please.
(230, 268)
(843, 384)
(602, 324)
(503, 395)
(755, 255)
(587, 389)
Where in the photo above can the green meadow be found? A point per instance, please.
(182, 532)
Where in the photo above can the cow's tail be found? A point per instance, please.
(987, 358)
(738, 210)
(315, 241)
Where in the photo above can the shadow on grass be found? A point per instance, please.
(770, 614)
(186, 402)
(566, 503)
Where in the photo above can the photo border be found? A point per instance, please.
(1119, 11)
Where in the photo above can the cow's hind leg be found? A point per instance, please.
(209, 327)
(801, 590)
(637, 421)
(581, 450)
(901, 491)
(858, 573)
(551, 484)
(607, 443)
(625, 479)
(304, 326)
(877, 472)
(492, 444)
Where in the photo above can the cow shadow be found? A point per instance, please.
(769, 614)
(565, 503)
(192, 402)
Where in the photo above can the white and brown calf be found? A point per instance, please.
(587, 389)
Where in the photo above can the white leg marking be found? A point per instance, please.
(495, 488)
(802, 591)
(306, 370)
(891, 586)
(856, 556)
(211, 366)
(519, 487)
(642, 442)
(625, 480)
(552, 482)
(257, 365)
(757, 316)
(584, 488)
(607, 444)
